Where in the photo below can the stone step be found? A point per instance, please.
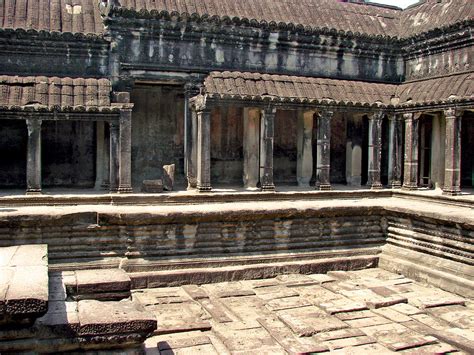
(100, 284)
(23, 284)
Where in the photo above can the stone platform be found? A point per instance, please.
(357, 312)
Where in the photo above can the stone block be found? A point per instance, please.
(123, 317)
(102, 281)
(152, 186)
(168, 177)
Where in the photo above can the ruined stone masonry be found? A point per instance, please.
(232, 177)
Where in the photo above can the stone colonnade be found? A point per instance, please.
(113, 159)
(258, 149)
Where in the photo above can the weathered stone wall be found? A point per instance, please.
(198, 47)
(68, 153)
(157, 132)
(13, 141)
(227, 145)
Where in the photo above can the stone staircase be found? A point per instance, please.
(68, 311)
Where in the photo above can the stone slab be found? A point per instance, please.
(456, 316)
(287, 303)
(6, 255)
(102, 280)
(100, 318)
(215, 309)
(195, 292)
(228, 289)
(392, 315)
(243, 341)
(275, 292)
(158, 296)
(30, 255)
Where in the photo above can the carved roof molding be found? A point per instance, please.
(359, 20)
(458, 88)
(50, 94)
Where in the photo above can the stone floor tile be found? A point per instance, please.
(340, 275)
(392, 315)
(180, 317)
(437, 299)
(456, 316)
(6, 255)
(148, 297)
(368, 322)
(307, 321)
(363, 350)
(322, 278)
(440, 348)
(287, 303)
(318, 294)
(275, 292)
(103, 280)
(430, 321)
(355, 315)
(338, 334)
(253, 284)
(228, 289)
(287, 340)
(30, 255)
(406, 309)
(215, 309)
(397, 337)
(342, 305)
(349, 342)
(246, 309)
(257, 340)
(195, 292)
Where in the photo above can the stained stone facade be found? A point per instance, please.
(248, 94)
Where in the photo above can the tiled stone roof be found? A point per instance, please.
(75, 16)
(314, 13)
(53, 92)
(332, 14)
(432, 14)
(256, 86)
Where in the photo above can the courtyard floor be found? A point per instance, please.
(371, 311)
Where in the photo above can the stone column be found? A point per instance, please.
(114, 156)
(410, 178)
(452, 175)
(304, 164)
(204, 150)
(267, 123)
(190, 135)
(99, 156)
(251, 145)
(106, 167)
(355, 133)
(125, 145)
(323, 155)
(395, 151)
(33, 159)
(375, 150)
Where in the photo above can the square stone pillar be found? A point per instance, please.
(304, 164)
(323, 153)
(267, 126)
(395, 151)
(190, 135)
(375, 150)
(410, 178)
(99, 156)
(106, 166)
(452, 175)
(114, 156)
(251, 143)
(125, 144)
(204, 150)
(33, 158)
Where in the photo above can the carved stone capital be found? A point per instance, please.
(452, 113)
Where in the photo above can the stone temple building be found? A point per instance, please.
(318, 166)
(248, 93)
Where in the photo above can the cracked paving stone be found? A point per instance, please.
(292, 344)
(307, 321)
(456, 316)
(228, 289)
(274, 292)
(258, 340)
(180, 317)
(195, 292)
(397, 337)
(149, 297)
(215, 309)
(287, 303)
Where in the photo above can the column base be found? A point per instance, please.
(192, 183)
(410, 187)
(270, 188)
(396, 185)
(207, 188)
(323, 187)
(124, 190)
(454, 192)
(33, 192)
(377, 186)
